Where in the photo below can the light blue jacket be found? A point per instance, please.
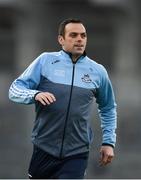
(63, 128)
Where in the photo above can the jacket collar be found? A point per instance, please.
(68, 54)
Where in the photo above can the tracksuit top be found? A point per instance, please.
(63, 128)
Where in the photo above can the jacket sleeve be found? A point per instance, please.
(23, 89)
(107, 109)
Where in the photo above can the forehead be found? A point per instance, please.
(75, 27)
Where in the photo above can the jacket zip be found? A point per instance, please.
(68, 109)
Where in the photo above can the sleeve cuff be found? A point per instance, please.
(36, 94)
(106, 144)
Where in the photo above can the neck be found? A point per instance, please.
(75, 57)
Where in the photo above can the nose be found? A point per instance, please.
(79, 38)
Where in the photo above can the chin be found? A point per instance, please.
(78, 53)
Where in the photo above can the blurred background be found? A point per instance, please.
(28, 28)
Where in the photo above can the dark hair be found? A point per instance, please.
(61, 30)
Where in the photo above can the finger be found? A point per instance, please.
(41, 98)
(47, 99)
(110, 158)
(103, 159)
(50, 99)
(41, 101)
(106, 160)
(50, 95)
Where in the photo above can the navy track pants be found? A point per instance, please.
(46, 166)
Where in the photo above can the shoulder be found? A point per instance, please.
(101, 70)
(47, 56)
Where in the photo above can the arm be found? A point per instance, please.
(23, 89)
(107, 112)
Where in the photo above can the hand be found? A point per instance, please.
(106, 155)
(45, 98)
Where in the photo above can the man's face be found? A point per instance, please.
(75, 39)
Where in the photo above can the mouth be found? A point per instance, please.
(79, 45)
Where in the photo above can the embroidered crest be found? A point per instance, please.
(86, 78)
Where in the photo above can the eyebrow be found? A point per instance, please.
(76, 33)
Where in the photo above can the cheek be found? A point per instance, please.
(69, 43)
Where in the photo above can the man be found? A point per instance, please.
(63, 85)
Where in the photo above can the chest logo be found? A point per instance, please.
(86, 78)
(55, 61)
(59, 72)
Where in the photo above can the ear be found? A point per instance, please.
(61, 40)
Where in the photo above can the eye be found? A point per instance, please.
(73, 35)
(83, 35)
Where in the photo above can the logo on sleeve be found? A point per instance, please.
(86, 78)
